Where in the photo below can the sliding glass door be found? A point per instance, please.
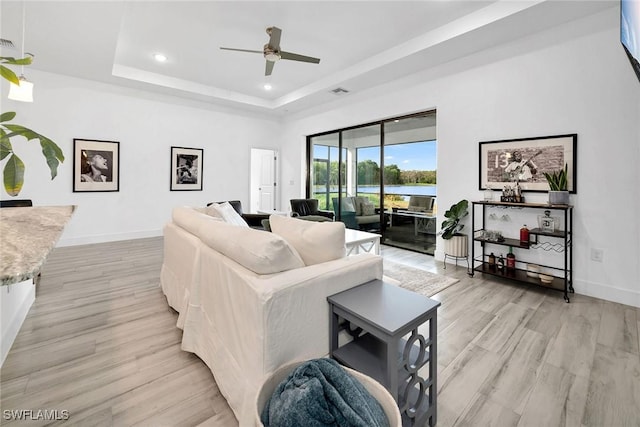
(380, 177)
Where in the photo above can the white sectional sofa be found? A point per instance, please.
(250, 301)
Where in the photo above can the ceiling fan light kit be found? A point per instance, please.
(272, 52)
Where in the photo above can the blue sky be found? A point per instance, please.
(411, 156)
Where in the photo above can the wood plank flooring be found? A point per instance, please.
(100, 342)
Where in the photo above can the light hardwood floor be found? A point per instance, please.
(101, 343)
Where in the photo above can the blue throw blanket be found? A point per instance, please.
(321, 393)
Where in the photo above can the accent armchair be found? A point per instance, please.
(308, 209)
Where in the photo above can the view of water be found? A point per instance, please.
(403, 190)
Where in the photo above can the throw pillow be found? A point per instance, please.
(316, 242)
(368, 208)
(347, 205)
(212, 211)
(226, 211)
(359, 201)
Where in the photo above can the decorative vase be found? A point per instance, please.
(558, 197)
(457, 246)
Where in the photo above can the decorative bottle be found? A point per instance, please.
(501, 264)
(492, 262)
(511, 260)
(524, 235)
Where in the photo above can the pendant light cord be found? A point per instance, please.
(24, 15)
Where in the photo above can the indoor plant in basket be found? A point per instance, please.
(455, 243)
(558, 194)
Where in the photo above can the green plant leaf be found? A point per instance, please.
(20, 61)
(5, 145)
(22, 131)
(13, 175)
(8, 116)
(53, 154)
(7, 74)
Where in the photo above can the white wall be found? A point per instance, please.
(146, 126)
(537, 86)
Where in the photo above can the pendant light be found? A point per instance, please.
(24, 91)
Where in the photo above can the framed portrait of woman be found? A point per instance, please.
(96, 165)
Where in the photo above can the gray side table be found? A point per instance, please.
(384, 321)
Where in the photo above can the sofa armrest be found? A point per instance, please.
(329, 214)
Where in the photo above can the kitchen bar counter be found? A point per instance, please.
(27, 236)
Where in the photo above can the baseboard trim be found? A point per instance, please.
(609, 293)
(104, 238)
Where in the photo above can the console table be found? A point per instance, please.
(387, 346)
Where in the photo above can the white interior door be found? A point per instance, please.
(263, 179)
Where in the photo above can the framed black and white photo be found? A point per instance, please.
(96, 165)
(525, 160)
(186, 169)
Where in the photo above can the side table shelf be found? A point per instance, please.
(562, 277)
(388, 346)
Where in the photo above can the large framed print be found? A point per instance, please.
(96, 165)
(186, 169)
(525, 160)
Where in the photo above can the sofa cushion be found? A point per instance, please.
(228, 213)
(191, 219)
(316, 242)
(256, 250)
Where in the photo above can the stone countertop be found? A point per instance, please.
(27, 236)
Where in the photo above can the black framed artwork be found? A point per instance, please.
(186, 169)
(525, 160)
(96, 165)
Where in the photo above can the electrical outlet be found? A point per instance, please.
(597, 255)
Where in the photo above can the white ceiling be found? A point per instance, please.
(362, 44)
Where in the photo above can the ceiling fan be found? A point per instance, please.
(272, 52)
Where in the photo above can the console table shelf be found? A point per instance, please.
(366, 352)
(563, 244)
(520, 275)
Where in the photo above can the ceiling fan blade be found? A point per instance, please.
(296, 57)
(241, 50)
(269, 68)
(274, 37)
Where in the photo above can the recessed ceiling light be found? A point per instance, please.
(267, 86)
(160, 57)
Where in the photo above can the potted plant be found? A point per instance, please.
(558, 194)
(456, 243)
(13, 172)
